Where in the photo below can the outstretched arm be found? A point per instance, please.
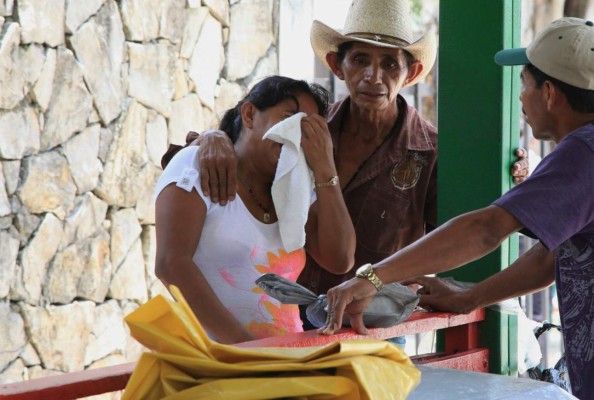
(533, 271)
(179, 219)
(459, 241)
(329, 229)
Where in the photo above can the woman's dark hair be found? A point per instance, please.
(344, 47)
(580, 100)
(269, 92)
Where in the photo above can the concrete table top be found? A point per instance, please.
(445, 384)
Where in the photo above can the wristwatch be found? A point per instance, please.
(366, 271)
(332, 182)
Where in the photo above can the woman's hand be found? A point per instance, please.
(317, 147)
(352, 297)
(329, 229)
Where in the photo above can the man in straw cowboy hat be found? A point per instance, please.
(385, 152)
(554, 205)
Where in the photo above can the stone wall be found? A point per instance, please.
(92, 93)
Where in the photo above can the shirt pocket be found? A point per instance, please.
(382, 216)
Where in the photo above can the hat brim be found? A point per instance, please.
(512, 57)
(325, 40)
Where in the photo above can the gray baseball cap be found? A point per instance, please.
(564, 50)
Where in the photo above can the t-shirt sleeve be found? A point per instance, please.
(183, 171)
(555, 202)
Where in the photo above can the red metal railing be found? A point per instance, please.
(461, 352)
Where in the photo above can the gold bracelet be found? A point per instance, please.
(332, 182)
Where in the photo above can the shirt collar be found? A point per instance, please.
(414, 134)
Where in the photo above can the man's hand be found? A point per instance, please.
(218, 166)
(440, 294)
(352, 297)
(520, 169)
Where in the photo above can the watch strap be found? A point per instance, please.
(368, 273)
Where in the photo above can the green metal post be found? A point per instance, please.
(478, 132)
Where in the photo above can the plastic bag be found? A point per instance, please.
(186, 364)
(557, 375)
(389, 307)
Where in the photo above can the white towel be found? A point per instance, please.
(293, 184)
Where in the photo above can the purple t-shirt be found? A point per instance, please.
(556, 206)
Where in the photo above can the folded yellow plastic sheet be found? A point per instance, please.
(185, 364)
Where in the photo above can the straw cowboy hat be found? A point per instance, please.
(384, 23)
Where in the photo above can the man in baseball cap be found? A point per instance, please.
(564, 51)
(555, 205)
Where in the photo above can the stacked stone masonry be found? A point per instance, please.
(92, 94)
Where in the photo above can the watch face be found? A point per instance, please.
(362, 270)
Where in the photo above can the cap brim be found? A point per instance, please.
(512, 57)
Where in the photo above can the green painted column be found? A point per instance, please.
(478, 132)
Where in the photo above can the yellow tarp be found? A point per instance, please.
(185, 364)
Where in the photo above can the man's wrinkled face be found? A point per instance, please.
(373, 75)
